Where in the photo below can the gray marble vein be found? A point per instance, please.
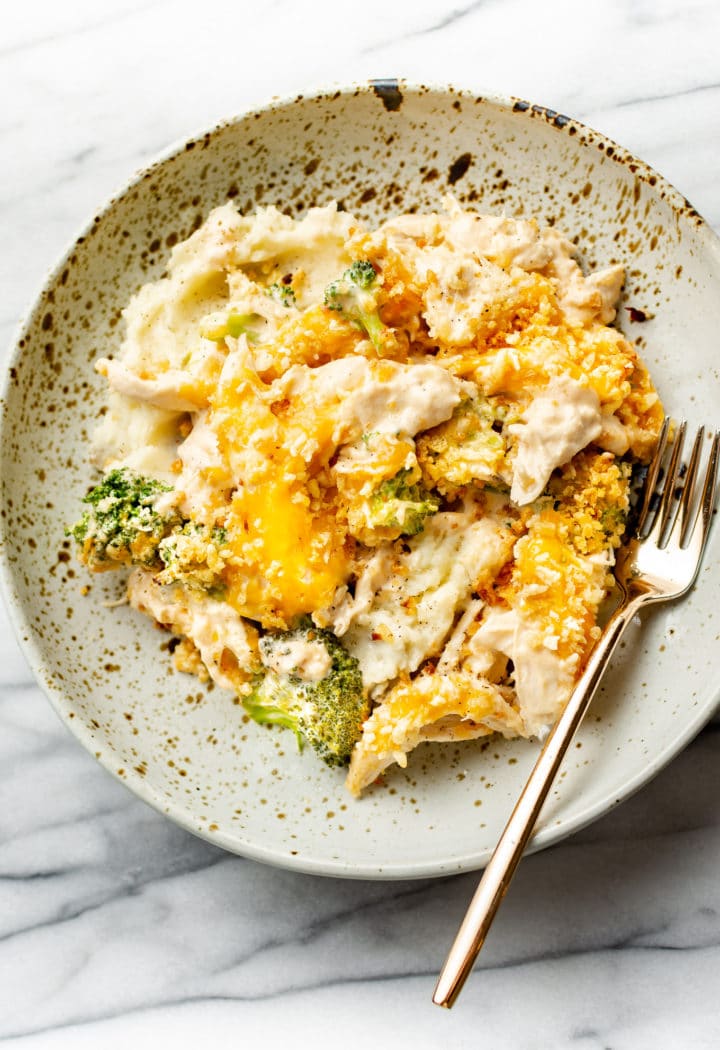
(445, 20)
(118, 928)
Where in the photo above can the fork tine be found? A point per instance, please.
(709, 494)
(701, 528)
(666, 503)
(652, 475)
(684, 516)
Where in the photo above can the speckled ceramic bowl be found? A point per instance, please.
(189, 752)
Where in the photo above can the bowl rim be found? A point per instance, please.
(30, 647)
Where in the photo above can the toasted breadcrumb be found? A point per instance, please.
(330, 409)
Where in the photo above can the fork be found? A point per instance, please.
(660, 562)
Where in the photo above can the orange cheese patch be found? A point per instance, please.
(288, 554)
(292, 558)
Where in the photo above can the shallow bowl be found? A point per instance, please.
(188, 751)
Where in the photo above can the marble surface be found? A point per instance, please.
(117, 928)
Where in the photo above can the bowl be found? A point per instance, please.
(377, 148)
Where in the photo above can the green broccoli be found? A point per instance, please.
(121, 525)
(352, 295)
(613, 520)
(220, 324)
(328, 712)
(191, 555)
(468, 448)
(282, 293)
(399, 504)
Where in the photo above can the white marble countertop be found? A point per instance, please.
(118, 928)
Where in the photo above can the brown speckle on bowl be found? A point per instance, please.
(388, 91)
(459, 167)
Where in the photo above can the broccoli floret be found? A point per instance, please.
(352, 295)
(282, 293)
(121, 525)
(327, 712)
(613, 520)
(399, 504)
(219, 325)
(361, 273)
(191, 555)
(468, 448)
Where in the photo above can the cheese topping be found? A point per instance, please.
(406, 440)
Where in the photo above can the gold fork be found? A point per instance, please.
(660, 562)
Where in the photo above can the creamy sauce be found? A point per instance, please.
(306, 659)
(561, 420)
(204, 474)
(384, 397)
(280, 438)
(461, 290)
(168, 390)
(542, 679)
(415, 605)
(347, 608)
(136, 435)
(472, 259)
(212, 625)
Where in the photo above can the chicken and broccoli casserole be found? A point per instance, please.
(373, 480)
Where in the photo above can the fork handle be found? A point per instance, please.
(501, 868)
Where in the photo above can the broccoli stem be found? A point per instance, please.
(374, 327)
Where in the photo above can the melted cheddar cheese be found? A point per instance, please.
(420, 436)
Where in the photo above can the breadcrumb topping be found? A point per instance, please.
(419, 438)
